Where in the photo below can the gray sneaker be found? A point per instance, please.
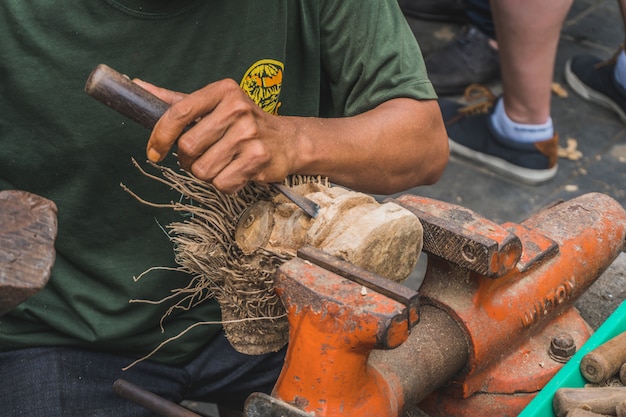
(465, 60)
(473, 137)
(594, 80)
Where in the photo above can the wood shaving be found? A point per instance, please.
(571, 151)
(559, 91)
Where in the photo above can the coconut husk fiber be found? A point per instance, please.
(231, 245)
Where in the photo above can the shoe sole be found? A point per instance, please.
(511, 171)
(591, 95)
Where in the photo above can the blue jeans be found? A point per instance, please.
(69, 382)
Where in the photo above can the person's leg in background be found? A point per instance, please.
(471, 57)
(479, 14)
(516, 138)
(528, 35)
(602, 82)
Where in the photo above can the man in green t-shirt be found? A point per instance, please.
(335, 88)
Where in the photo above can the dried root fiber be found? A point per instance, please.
(231, 246)
(252, 314)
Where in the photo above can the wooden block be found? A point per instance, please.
(602, 400)
(28, 228)
(581, 412)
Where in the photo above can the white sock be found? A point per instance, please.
(517, 131)
(620, 69)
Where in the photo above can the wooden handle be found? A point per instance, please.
(581, 412)
(121, 94)
(124, 96)
(598, 400)
(604, 361)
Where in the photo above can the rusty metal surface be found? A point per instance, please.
(335, 323)
(435, 352)
(537, 248)
(478, 337)
(391, 289)
(28, 228)
(348, 307)
(463, 237)
(500, 315)
(263, 405)
(511, 383)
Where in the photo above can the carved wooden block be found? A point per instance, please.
(28, 228)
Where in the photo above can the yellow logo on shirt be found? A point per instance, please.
(262, 82)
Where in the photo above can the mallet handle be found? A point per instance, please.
(604, 361)
(121, 94)
(118, 92)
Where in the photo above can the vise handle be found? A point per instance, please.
(397, 292)
(150, 401)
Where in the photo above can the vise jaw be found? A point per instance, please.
(338, 313)
(492, 297)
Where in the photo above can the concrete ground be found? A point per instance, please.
(593, 26)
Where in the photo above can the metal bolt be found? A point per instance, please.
(469, 253)
(562, 348)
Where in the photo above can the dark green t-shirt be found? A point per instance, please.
(294, 57)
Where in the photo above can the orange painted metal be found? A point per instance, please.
(500, 314)
(464, 238)
(506, 290)
(335, 324)
(514, 380)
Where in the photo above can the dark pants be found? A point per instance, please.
(479, 14)
(67, 382)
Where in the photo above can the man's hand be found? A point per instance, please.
(223, 136)
(226, 139)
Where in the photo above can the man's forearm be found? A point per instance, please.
(398, 145)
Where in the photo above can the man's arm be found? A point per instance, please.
(400, 144)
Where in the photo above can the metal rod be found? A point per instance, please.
(308, 206)
(151, 401)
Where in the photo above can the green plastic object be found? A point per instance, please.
(569, 376)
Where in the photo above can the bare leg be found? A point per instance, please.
(528, 35)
